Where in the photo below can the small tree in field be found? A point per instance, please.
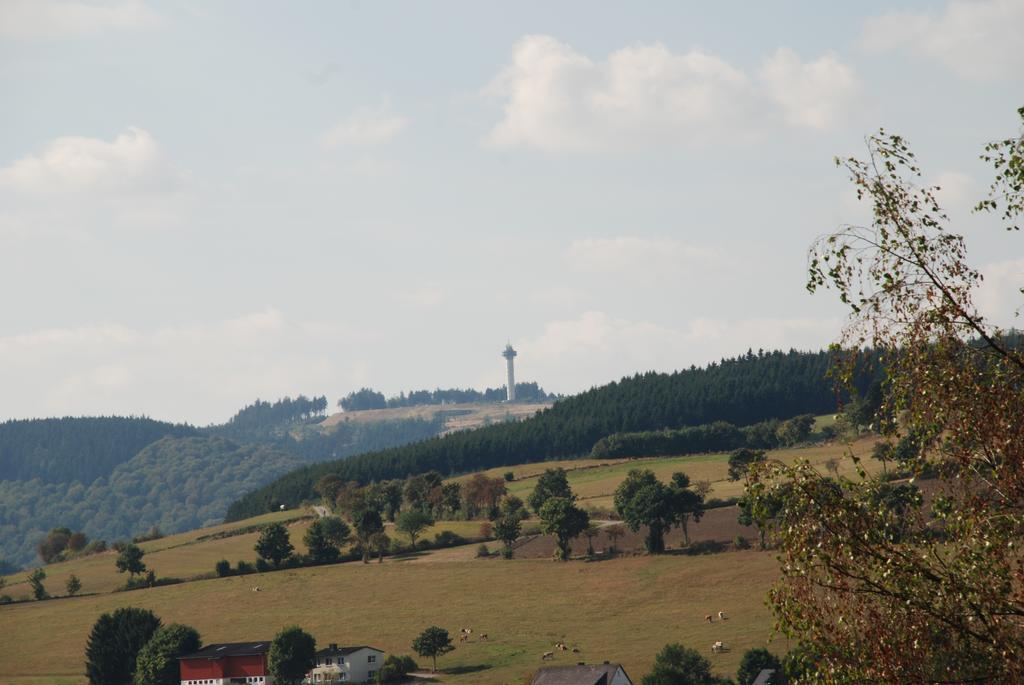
(274, 543)
(506, 529)
(613, 533)
(413, 522)
(73, 585)
(292, 655)
(561, 518)
(433, 642)
(130, 561)
(35, 580)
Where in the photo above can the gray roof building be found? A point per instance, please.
(582, 674)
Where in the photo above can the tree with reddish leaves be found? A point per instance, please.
(882, 585)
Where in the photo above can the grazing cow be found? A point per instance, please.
(718, 647)
(466, 631)
(708, 618)
(256, 589)
(483, 636)
(721, 616)
(561, 646)
(547, 655)
(575, 650)
(463, 637)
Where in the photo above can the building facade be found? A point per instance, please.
(346, 665)
(232, 663)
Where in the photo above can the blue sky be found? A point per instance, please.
(205, 203)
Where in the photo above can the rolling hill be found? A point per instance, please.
(742, 391)
(623, 608)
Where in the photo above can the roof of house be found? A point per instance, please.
(764, 676)
(580, 674)
(223, 649)
(344, 651)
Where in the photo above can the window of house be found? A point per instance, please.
(370, 674)
(329, 661)
(370, 659)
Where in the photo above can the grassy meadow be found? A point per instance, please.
(623, 609)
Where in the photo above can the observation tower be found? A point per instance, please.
(509, 354)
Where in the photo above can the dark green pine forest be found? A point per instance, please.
(742, 391)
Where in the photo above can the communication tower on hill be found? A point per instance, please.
(509, 354)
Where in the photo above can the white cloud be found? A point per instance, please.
(132, 161)
(365, 127)
(632, 253)
(982, 40)
(999, 298)
(50, 19)
(76, 181)
(596, 347)
(812, 94)
(221, 365)
(558, 99)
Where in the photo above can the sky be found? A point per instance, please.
(205, 203)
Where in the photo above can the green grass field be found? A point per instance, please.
(594, 481)
(622, 609)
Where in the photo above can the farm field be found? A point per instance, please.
(594, 480)
(623, 609)
(194, 553)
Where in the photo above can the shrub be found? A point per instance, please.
(482, 551)
(244, 567)
(447, 538)
(705, 547)
(509, 476)
(262, 565)
(223, 568)
(95, 547)
(5, 599)
(486, 529)
(740, 542)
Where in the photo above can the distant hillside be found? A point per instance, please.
(116, 477)
(76, 449)
(742, 391)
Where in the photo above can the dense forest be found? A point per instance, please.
(742, 391)
(116, 477)
(176, 484)
(76, 449)
(368, 398)
(265, 419)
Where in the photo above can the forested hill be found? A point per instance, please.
(742, 391)
(76, 449)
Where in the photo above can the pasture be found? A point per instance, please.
(622, 609)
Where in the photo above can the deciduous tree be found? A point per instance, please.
(563, 519)
(292, 655)
(157, 661)
(551, 483)
(274, 544)
(940, 597)
(115, 642)
(130, 560)
(413, 522)
(433, 642)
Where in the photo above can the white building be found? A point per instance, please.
(346, 665)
